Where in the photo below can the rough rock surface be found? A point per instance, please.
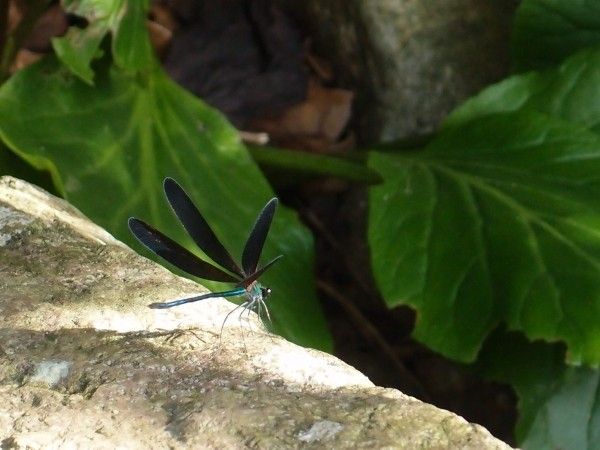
(85, 364)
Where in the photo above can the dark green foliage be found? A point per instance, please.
(109, 137)
(496, 224)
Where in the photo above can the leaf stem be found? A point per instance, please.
(314, 164)
(410, 383)
(411, 143)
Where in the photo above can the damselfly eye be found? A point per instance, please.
(265, 292)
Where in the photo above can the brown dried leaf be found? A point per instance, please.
(53, 22)
(25, 58)
(160, 37)
(315, 124)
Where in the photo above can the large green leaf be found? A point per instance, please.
(569, 92)
(125, 19)
(497, 220)
(547, 31)
(568, 416)
(559, 406)
(78, 48)
(109, 146)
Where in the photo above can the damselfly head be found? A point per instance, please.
(266, 292)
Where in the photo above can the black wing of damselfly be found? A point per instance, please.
(174, 253)
(203, 235)
(257, 237)
(198, 228)
(256, 275)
